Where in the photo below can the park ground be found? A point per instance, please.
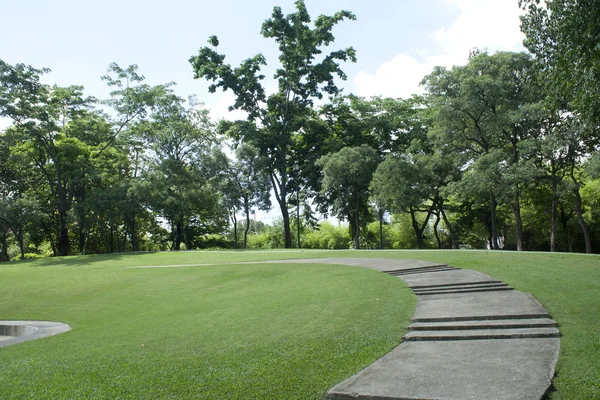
(207, 327)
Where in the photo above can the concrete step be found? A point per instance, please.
(465, 290)
(460, 286)
(450, 285)
(452, 276)
(484, 324)
(420, 270)
(409, 268)
(482, 334)
(482, 317)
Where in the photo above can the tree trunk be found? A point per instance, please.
(111, 242)
(63, 241)
(416, 228)
(580, 220)
(516, 206)
(82, 237)
(357, 223)
(4, 249)
(518, 221)
(64, 245)
(234, 221)
(280, 190)
(178, 234)
(553, 233)
(21, 240)
(450, 229)
(381, 229)
(565, 220)
(132, 233)
(125, 235)
(435, 231)
(494, 229)
(287, 232)
(247, 210)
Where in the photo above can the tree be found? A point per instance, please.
(183, 159)
(401, 184)
(304, 75)
(564, 35)
(489, 106)
(42, 114)
(133, 102)
(346, 178)
(247, 186)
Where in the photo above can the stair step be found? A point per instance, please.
(392, 271)
(450, 285)
(492, 324)
(481, 334)
(458, 287)
(482, 318)
(420, 271)
(465, 290)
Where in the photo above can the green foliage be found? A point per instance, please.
(327, 236)
(346, 178)
(304, 75)
(563, 35)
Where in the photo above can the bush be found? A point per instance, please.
(327, 236)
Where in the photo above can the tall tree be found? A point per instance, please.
(179, 140)
(403, 184)
(489, 106)
(247, 186)
(346, 178)
(42, 113)
(303, 76)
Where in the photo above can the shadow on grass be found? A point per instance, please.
(72, 261)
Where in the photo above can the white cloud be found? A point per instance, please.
(4, 123)
(399, 77)
(219, 108)
(491, 24)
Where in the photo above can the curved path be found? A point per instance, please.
(471, 337)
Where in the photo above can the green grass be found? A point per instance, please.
(254, 330)
(268, 331)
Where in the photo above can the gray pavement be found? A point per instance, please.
(472, 337)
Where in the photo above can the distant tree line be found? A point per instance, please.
(500, 153)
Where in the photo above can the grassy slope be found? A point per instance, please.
(267, 331)
(304, 321)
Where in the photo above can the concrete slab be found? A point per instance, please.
(480, 334)
(485, 324)
(484, 305)
(503, 369)
(457, 286)
(378, 264)
(448, 277)
(410, 271)
(463, 290)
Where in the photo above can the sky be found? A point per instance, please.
(397, 42)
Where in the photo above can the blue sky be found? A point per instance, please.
(397, 41)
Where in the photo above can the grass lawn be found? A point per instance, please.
(267, 331)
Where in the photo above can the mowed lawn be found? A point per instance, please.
(251, 331)
(261, 330)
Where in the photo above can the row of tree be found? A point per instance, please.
(499, 153)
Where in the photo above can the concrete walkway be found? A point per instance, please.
(471, 337)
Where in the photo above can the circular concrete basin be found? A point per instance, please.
(13, 332)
